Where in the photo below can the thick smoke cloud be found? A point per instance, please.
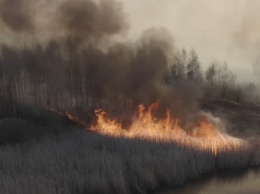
(132, 69)
(16, 14)
(72, 62)
(83, 19)
(137, 70)
(91, 19)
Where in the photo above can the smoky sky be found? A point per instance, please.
(89, 18)
(219, 30)
(16, 15)
(45, 20)
(87, 27)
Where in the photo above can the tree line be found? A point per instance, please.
(217, 81)
(57, 75)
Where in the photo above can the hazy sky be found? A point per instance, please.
(222, 30)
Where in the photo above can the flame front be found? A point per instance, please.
(203, 135)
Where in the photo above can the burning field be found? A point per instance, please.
(128, 111)
(90, 163)
(202, 133)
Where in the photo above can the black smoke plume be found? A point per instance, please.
(82, 65)
(91, 19)
(16, 15)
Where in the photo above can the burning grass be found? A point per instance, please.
(131, 161)
(202, 133)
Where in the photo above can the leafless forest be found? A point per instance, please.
(77, 60)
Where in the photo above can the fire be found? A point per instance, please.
(202, 134)
(144, 126)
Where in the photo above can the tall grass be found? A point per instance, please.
(92, 164)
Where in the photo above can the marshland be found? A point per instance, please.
(84, 109)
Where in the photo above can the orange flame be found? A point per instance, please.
(202, 136)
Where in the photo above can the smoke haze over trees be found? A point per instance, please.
(83, 63)
(71, 56)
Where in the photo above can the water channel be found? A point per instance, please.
(226, 182)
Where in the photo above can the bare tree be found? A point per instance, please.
(178, 67)
(227, 80)
(251, 92)
(193, 68)
(210, 76)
